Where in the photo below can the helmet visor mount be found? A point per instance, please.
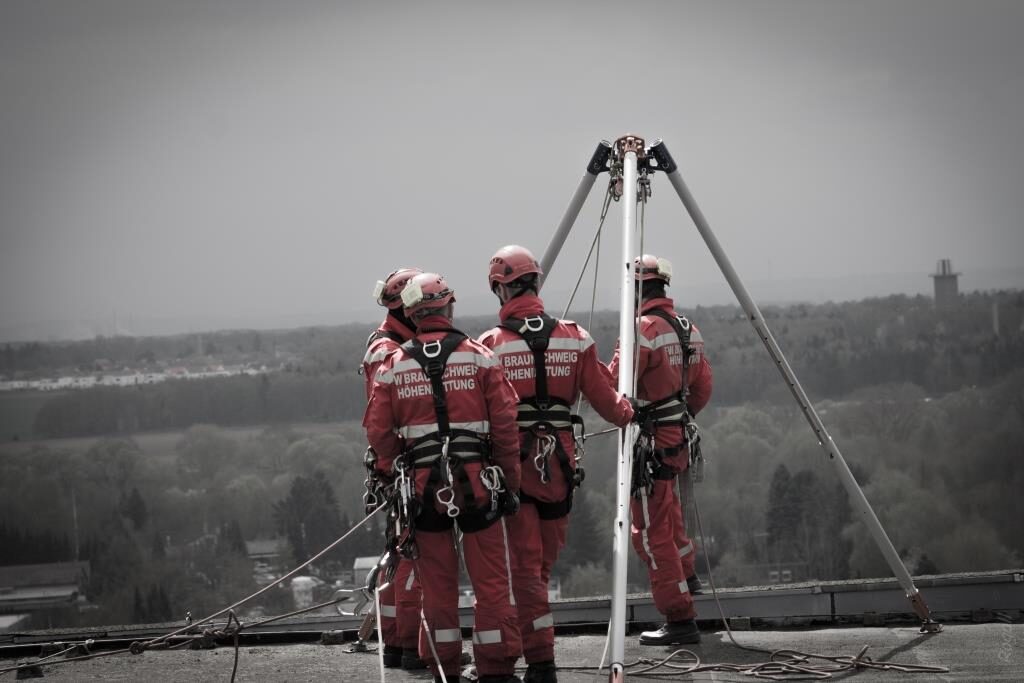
(378, 293)
(662, 270)
(413, 295)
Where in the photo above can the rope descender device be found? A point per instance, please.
(448, 491)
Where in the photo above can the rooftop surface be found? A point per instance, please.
(835, 619)
(971, 652)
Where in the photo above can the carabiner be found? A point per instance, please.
(451, 509)
(546, 444)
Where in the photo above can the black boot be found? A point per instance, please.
(500, 678)
(392, 656)
(411, 660)
(673, 633)
(541, 672)
(694, 585)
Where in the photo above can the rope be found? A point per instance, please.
(594, 243)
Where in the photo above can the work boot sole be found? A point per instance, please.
(680, 640)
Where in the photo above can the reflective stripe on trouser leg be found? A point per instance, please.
(486, 555)
(487, 637)
(528, 534)
(408, 599)
(644, 530)
(665, 571)
(447, 635)
(438, 571)
(683, 542)
(386, 618)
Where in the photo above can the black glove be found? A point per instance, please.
(510, 503)
(636, 408)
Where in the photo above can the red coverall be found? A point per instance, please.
(572, 366)
(658, 529)
(399, 616)
(479, 399)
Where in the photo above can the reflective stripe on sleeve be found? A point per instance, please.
(686, 549)
(410, 580)
(376, 356)
(683, 588)
(487, 637)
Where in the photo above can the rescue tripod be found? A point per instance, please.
(630, 163)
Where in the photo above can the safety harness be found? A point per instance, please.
(446, 451)
(384, 334)
(541, 417)
(648, 461)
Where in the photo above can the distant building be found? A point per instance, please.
(29, 588)
(946, 289)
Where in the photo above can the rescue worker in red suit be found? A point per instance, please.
(399, 616)
(549, 363)
(673, 385)
(442, 410)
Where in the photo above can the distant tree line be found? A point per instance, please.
(32, 547)
(835, 349)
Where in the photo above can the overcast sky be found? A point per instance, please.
(180, 165)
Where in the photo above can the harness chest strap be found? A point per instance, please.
(384, 334)
(541, 412)
(672, 409)
(536, 331)
(464, 445)
(433, 358)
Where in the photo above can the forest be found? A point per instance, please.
(160, 486)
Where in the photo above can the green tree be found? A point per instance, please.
(308, 517)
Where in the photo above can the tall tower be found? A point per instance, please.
(946, 290)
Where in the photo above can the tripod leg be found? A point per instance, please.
(860, 503)
(596, 165)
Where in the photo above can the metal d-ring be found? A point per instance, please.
(432, 349)
(529, 323)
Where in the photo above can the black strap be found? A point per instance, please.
(384, 334)
(433, 357)
(682, 328)
(536, 331)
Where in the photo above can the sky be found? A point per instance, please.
(182, 166)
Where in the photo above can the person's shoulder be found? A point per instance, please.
(571, 329)
(475, 346)
(488, 338)
(653, 325)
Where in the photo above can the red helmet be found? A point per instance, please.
(649, 267)
(426, 291)
(388, 291)
(511, 263)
